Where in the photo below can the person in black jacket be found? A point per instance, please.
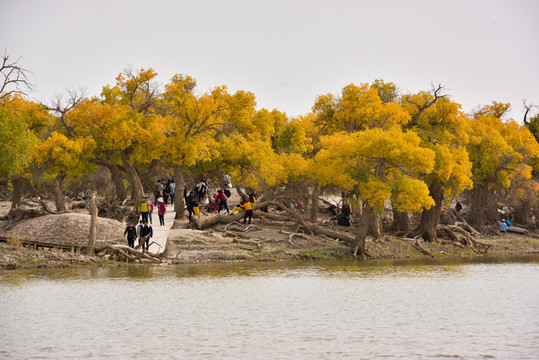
(131, 232)
(146, 233)
(191, 202)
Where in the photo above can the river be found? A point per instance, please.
(460, 309)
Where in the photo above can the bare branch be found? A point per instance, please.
(527, 108)
(14, 79)
(436, 91)
(62, 104)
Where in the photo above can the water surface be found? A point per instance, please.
(469, 309)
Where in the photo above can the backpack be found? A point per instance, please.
(202, 190)
(227, 193)
(156, 191)
(167, 190)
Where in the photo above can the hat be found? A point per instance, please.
(160, 199)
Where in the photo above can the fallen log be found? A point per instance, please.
(205, 221)
(518, 230)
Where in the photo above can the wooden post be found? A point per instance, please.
(93, 224)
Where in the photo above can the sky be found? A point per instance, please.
(285, 52)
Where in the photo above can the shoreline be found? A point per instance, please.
(13, 256)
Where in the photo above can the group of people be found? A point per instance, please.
(200, 194)
(146, 208)
(342, 218)
(164, 189)
(504, 224)
(143, 233)
(219, 201)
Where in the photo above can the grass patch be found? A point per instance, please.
(325, 255)
(16, 242)
(279, 250)
(527, 241)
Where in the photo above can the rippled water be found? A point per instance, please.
(387, 310)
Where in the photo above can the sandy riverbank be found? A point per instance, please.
(263, 241)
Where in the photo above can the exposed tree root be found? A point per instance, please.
(291, 236)
(115, 209)
(422, 248)
(458, 235)
(242, 227)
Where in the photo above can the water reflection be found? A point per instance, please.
(364, 269)
(465, 308)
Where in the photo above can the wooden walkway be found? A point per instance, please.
(160, 233)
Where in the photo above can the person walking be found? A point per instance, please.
(144, 209)
(146, 234)
(161, 210)
(151, 207)
(131, 232)
(157, 190)
(139, 230)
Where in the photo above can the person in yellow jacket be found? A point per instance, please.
(144, 209)
(248, 207)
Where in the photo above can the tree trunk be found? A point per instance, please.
(374, 224)
(18, 187)
(58, 193)
(30, 187)
(116, 177)
(361, 234)
(315, 203)
(134, 179)
(523, 212)
(431, 218)
(93, 225)
(241, 193)
(483, 207)
(401, 221)
(179, 203)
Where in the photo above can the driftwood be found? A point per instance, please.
(127, 253)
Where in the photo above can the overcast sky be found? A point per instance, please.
(285, 52)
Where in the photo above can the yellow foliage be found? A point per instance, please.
(410, 194)
(374, 161)
(498, 150)
(31, 113)
(359, 108)
(66, 156)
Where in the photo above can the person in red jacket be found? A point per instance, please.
(161, 210)
(222, 200)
